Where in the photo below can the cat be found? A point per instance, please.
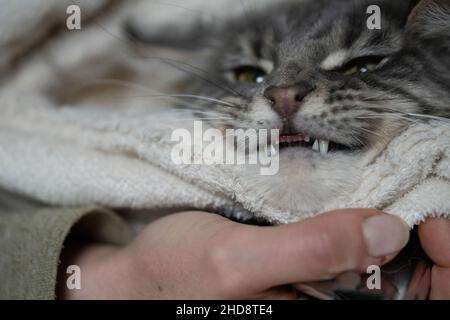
(337, 90)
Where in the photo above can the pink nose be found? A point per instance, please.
(286, 101)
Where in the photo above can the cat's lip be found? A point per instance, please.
(294, 138)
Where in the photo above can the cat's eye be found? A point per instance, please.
(362, 65)
(249, 74)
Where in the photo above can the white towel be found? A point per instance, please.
(120, 157)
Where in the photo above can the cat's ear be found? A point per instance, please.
(430, 17)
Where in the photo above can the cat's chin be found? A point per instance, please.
(307, 182)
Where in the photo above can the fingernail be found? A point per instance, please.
(385, 234)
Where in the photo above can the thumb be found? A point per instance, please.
(434, 236)
(316, 249)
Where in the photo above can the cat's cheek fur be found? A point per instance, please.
(314, 105)
(261, 112)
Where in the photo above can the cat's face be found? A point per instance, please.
(337, 91)
(315, 69)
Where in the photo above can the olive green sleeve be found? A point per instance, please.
(32, 237)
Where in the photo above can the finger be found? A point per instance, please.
(316, 249)
(434, 236)
(440, 283)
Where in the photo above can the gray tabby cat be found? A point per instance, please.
(338, 91)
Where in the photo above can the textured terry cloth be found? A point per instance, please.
(115, 165)
(24, 23)
(31, 240)
(74, 157)
(120, 156)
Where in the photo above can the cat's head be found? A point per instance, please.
(336, 86)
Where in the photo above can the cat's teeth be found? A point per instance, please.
(323, 146)
(316, 146)
(307, 139)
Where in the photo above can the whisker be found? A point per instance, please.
(384, 116)
(191, 96)
(357, 139)
(409, 114)
(117, 82)
(221, 86)
(138, 87)
(426, 116)
(198, 119)
(370, 132)
(170, 62)
(380, 96)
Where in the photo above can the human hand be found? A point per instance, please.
(198, 255)
(434, 235)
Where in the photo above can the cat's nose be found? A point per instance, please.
(286, 101)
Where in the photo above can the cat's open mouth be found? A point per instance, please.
(318, 145)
